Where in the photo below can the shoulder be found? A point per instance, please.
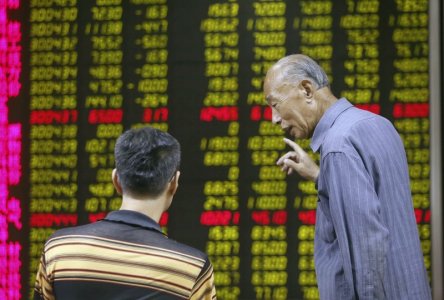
(71, 235)
(356, 127)
(186, 250)
(70, 231)
(355, 120)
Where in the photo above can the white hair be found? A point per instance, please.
(297, 67)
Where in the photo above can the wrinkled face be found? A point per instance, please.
(292, 106)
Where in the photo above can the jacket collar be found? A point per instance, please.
(133, 218)
(326, 122)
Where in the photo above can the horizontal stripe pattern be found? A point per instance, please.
(163, 267)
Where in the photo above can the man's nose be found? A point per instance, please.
(276, 118)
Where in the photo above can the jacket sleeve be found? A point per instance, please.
(204, 288)
(355, 212)
(43, 286)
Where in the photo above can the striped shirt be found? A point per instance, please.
(124, 256)
(366, 242)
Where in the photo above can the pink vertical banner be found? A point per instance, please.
(10, 152)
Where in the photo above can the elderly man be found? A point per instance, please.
(366, 242)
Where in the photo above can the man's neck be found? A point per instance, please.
(152, 208)
(328, 99)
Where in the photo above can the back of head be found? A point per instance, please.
(146, 160)
(297, 67)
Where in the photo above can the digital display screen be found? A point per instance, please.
(76, 74)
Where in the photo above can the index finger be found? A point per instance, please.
(293, 145)
(285, 156)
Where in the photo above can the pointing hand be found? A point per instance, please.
(298, 160)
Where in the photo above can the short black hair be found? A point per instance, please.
(146, 160)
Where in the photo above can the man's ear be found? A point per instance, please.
(116, 182)
(174, 184)
(307, 88)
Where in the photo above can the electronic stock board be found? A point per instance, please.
(76, 74)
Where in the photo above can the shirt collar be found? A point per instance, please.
(133, 218)
(327, 121)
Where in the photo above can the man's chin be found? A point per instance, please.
(288, 131)
(293, 134)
